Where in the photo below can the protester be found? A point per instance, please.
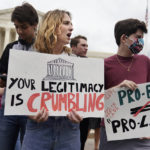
(127, 69)
(79, 45)
(25, 20)
(53, 133)
(79, 48)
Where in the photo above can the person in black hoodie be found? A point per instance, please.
(25, 19)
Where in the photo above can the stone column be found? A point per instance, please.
(16, 37)
(7, 34)
(2, 36)
(72, 72)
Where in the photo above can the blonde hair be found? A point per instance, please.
(47, 37)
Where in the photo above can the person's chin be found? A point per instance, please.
(67, 42)
(23, 38)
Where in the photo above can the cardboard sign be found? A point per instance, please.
(127, 113)
(59, 83)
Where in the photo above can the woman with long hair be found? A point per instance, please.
(53, 133)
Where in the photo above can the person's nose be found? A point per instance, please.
(19, 31)
(71, 27)
(86, 48)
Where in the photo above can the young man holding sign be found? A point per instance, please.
(25, 19)
(127, 69)
(79, 47)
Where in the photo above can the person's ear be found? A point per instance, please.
(73, 48)
(123, 38)
(35, 27)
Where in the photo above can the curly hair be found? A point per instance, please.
(47, 34)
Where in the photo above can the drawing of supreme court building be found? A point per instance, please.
(60, 69)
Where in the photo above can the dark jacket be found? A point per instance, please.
(5, 56)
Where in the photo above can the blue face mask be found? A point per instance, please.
(137, 46)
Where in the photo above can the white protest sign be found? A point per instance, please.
(127, 113)
(59, 83)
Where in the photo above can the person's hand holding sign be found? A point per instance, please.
(41, 116)
(74, 116)
(127, 83)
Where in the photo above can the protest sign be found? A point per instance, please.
(127, 112)
(59, 83)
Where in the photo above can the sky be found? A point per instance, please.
(94, 19)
